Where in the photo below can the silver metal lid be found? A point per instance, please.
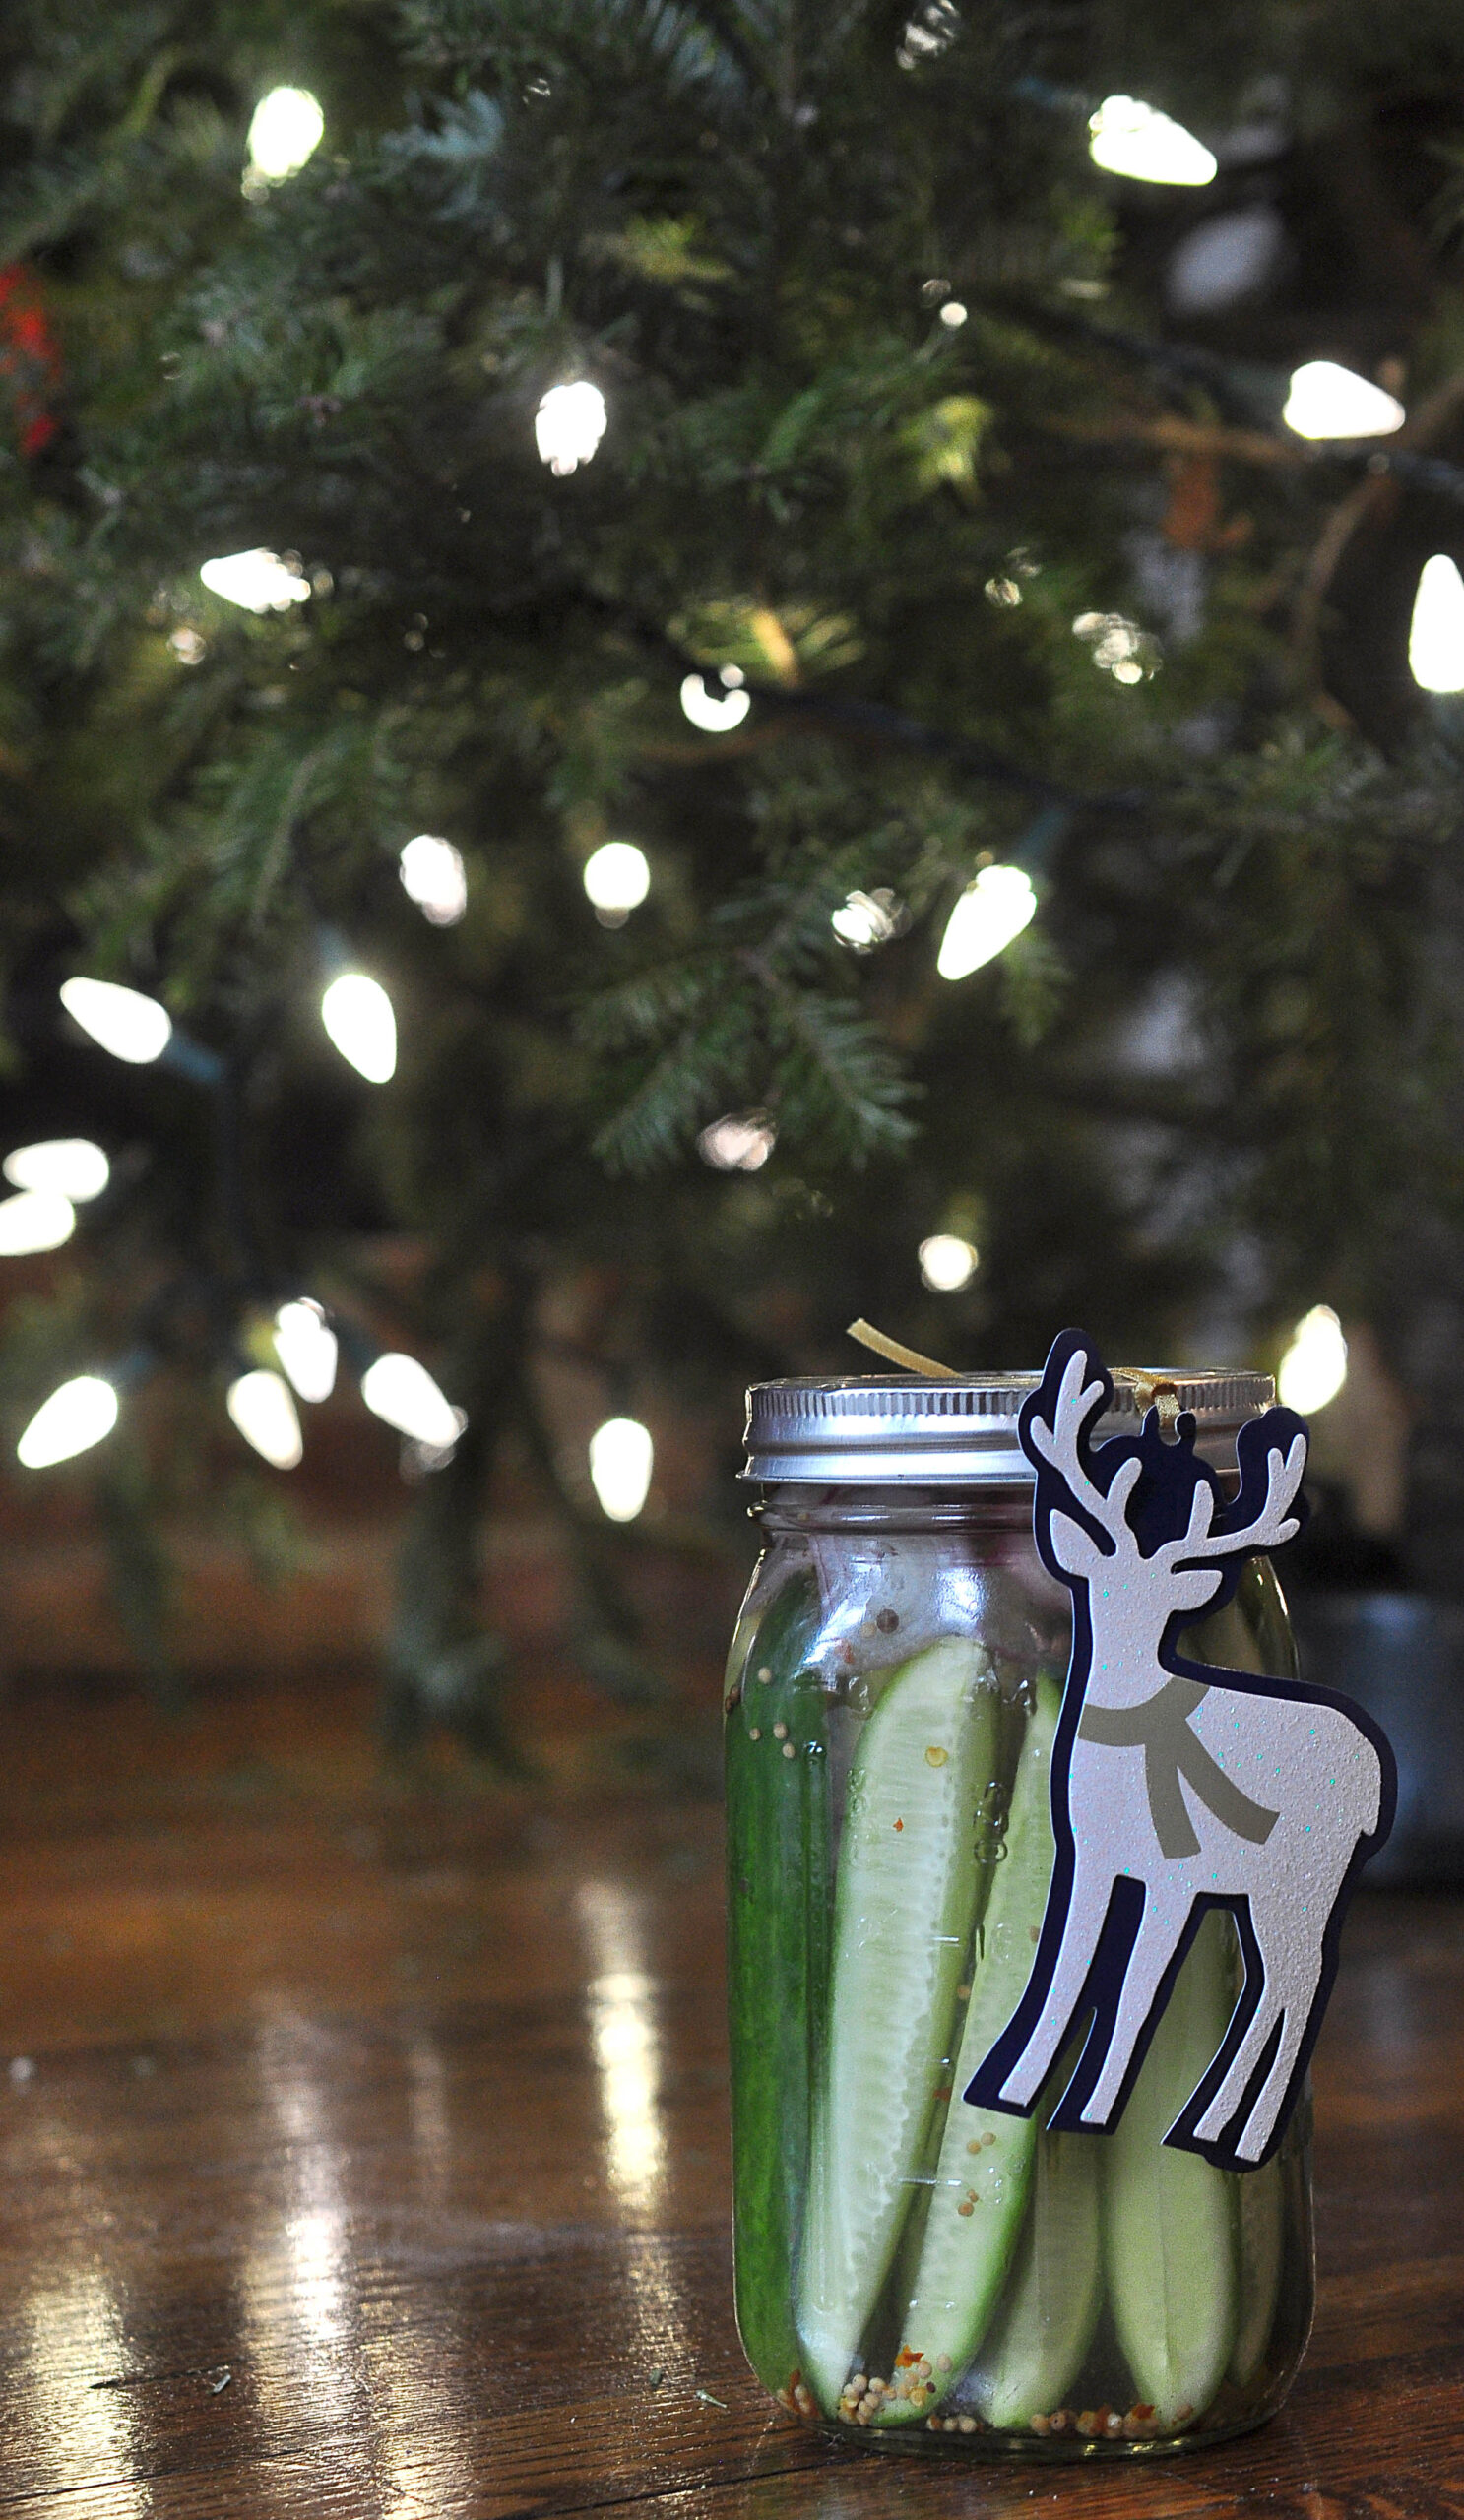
(872, 1430)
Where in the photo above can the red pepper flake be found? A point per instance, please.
(898, 1824)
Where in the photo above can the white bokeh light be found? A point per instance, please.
(988, 914)
(71, 1168)
(569, 426)
(403, 1394)
(257, 580)
(121, 1020)
(716, 714)
(1314, 1368)
(284, 133)
(34, 1221)
(863, 920)
(1126, 137)
(308, 1348)
(621, 1459)
(1328, 401)
(617, 878)
(434, 876)
(948, 1262)
(263, 1409)
(739, 1142)
(81, 1414)
(1435, 639)
(357, 1015)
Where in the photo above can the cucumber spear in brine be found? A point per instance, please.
(1168, 2215)
(982, 2174)
(904, 1916)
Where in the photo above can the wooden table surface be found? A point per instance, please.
(374, 2164)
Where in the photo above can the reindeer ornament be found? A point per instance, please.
(1177, 1787)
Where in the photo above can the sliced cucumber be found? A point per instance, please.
(1170, 2216)
(1038, 2339)
(985, 2155)
(904, 1917)
(1262, 2212)
(779, 1897)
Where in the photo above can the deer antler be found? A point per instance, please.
(1266, 1530)
(1057, 1443)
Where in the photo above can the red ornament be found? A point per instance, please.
(29, 356)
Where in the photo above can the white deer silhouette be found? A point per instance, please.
(1177, 1787)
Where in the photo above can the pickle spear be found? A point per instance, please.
(1038, 2339)
(778, 1898)
(904, 1916)
(1261, 2207)
(1170, 2216)
(982, 2174)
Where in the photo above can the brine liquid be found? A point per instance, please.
(1105, 2279)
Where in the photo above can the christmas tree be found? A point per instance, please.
(731, 581)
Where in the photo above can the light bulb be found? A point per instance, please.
(740, 1141)
(357, 1015)
(953, 314)
(265, 1415)
(284, 132)
(71, 1167)
(617, 879)
(988, 914)
(1314, 1368)
(71, 1421)
(257, 580)
(434, 877)
(121, 1020)
(947, 1263)
(1327, 400)
(1126, 137)
(308, 1348)
(621, 1455)
(34, 1221)
(866, 920)
(1435, 641)
(569, 426)
(401, 1392)
(715, 716)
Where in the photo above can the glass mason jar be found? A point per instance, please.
(926, 2274)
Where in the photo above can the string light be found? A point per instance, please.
(434, 876)
(308, 1348)
(740, 1141)
(1436, 640)
(1314, 1368)
(121, 1020)
(621, 1459)
(403, 1394)
(71, 1168)
(34, 1221)
(1327, 400)
(991, 911)
(260, 1407)
(617, 879)
(953, 314)
(257, 580)
(1126, 137)
(81, 1414)
(357, 1015)
(716, 714)
(947, 1263)
(284, 133)
(866, 920)
(569, 426)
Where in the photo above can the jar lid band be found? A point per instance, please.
(873, 1431)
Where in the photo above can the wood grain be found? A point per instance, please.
(370, 2159)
